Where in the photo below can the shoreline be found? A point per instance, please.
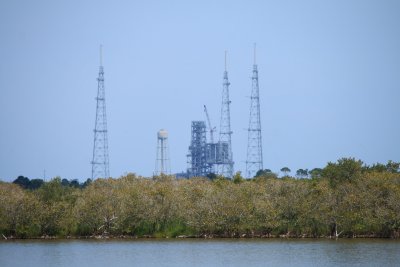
(180, 237)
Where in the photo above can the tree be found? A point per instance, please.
(86, 183)
(265, 174)
(346, 169)
(64, 182)
(377, 167)
(211, 176)
(22, 181)
(74, 183)
(18, 212)
(36, 183)
(237, 178)
(302, 173)
(316, 173)
(56, 205)
(98, 210)
(393, 167)
(262, 172)
(285, 170)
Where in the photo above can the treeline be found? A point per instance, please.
(345, 199)
(33, 184)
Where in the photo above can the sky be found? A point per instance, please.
(329, 76)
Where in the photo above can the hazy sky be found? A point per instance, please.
(329, 74)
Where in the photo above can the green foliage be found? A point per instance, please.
(262, 172)
(18, 212)
(345, 170)
(25, 183)
(265, 174)
(211, 176)
(302, 173)
(237, 178)
(22, 181)
(315, 173)
(345, 198)
(34, 184)
(391, 166)
(285, 171)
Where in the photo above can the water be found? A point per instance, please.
(200, 252)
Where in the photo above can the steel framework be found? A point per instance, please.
(100, 160)
(197, 158)
(225, 165)
(254, 161)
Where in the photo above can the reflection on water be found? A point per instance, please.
(199, 252)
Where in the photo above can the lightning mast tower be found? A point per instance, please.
(225, 135)
(254, 161)
(100, 162)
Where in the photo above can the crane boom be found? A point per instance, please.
(209, 125)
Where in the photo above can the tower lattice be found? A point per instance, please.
(254, 160)
(197, 157)
(225, 167)
(100, 161)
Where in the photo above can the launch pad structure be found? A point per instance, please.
(205, 158)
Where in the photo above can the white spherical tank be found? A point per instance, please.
(162, 134)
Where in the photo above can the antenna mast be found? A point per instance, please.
(225, 165)
(100, 161)
(254, 160)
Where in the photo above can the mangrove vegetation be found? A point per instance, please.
(344, 199)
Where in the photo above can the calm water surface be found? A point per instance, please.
(199, 252)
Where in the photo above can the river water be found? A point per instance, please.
(200, 252)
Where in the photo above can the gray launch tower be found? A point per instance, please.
(197, 157)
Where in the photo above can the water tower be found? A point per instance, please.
(162, 161)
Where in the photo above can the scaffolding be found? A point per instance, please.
(203, 157)
(197, 157)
